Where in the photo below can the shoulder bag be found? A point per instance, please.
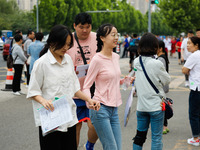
(92, 89)
(168, 102)
(10, 60)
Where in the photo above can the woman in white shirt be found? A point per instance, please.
(192, 68)
(53, 76)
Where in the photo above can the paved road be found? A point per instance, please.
(17, 130)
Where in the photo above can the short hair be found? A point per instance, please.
(195, 40)
(148, 45)
(18, 32)
(134, 35)
(83, 18)
(17, 37)
(29, 32)
(191, 32)
(197, 30)
(39, 36)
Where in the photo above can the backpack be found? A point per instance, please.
(134, 45)
(10, 60)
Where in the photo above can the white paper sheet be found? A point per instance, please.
(128, 106)
(61, 115)
(82, 69)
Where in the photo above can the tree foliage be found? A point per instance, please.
(181, 15)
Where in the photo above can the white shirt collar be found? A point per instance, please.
(53, 60)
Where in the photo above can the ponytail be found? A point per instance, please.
(44, 50)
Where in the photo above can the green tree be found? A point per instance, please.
(181, 15)
(51, 12)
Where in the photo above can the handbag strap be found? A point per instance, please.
(146, 75)
(82, 54)
(11, 54)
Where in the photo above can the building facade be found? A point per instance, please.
(26, 5)
(141, 5)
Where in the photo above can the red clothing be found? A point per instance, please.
(173, 50)
(179, 45)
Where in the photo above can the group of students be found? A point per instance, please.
(24, 55)
(63, 52)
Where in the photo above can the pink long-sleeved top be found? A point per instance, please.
(105, 72)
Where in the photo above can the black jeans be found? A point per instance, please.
(17, 77)
(59, 140)
(27, 74)
(194, 112)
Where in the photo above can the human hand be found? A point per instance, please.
(93, 104)
(47, 104)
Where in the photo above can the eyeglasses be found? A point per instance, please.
(114, 35)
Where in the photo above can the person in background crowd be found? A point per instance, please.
(105, 71)
(185, 53)
(167, 42)
(163, 57)
(53, 76)
(30, 37)
(19, 60)
(126, 45)
(88, 43)
(198, 33)
(34, 49)
(149, 110)
(133, 46)
(192, 68)
(178, 47)
(173, 46)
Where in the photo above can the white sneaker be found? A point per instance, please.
(21, 93)
(27, 86)
(193, 142)
(16, 93)
(186, 83)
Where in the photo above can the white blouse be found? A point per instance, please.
(51, 79)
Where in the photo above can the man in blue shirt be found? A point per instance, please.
(126, 45)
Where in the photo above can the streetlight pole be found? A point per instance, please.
(37, 13)
(149, 17)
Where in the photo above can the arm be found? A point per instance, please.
(185, 70)
(163, 75)
(92, 103)
(46, 103)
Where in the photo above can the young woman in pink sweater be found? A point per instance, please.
(105, 71)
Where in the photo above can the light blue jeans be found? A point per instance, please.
(156, 120)
(107, 125)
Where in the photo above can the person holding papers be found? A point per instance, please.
(104, 70)
(53, 76)
(83, 50)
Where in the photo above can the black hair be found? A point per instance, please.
(18, 32)
(17, 37)
(195, 40)
(148, 45)
(162, 45)
(83, 18)
(197, 30)
(39, 36)
(190, 31)
(103, 31)
(134, 35)
(29, 32)
(57, 38)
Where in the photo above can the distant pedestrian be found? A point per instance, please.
(163, 57)
(192, 68)
(198, 33)
(173, 46)
(53, 76)
(149, 110)
(126, 45)
(30, 37)
(34, 49)
(19, 61)
(167, 42)
(104, 70)
(178, 46)
(185, 53)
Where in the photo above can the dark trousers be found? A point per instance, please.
(59, 140)
(194, 112)
(186, 76)
(17, 77)
(125, 53)
(165, 121)
(27, 74)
